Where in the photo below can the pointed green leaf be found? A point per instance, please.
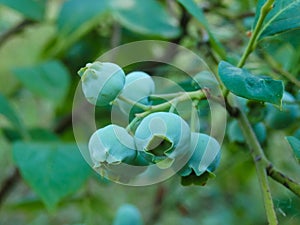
(77, 15)
(53, 170)
(36, 134)
(149, 17)
(244, 84)
(295, 144)
(33, 9)
(22, 50)
(284, 16)
(50, 80)
(197, 12)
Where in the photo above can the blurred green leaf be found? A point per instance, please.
(244, 84)
(283, 17)
(36, 134)
(284, 117)
(7, 111)
(77, 16)
(50, 80)
(22, 50)
(33, 9)
(40, 134)
(295, 144)
(53, 170)
(197, 12)
(149, 17)
(297, 134)
(71, 28)
(281, 54)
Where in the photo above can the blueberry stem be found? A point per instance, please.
(194, 117)
(134, 103)
(184, 96)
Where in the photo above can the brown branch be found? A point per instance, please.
(271, 171)
(8, 184)
(157, 205)
(283, 179)
(14, 30)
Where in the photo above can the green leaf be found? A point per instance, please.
(77, 16)
(149, 17)
(32, 9)
(53, 170)
(295, 144)
(36, 134)
(21, 50)
(50, 80)
(283, 17)
(197, 12)
(71, 28)
(7, 111)
(244, 84)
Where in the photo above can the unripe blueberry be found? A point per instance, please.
(280, 119)
(113, 153)
(102, 82)
(128, 215)
(162, 137)
(235, 133)
(113, 145)
(205, 157)
(138, 87)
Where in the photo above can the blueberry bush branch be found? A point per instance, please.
(253, 39)
(283, 179)
(263, 166)
(260, 163)
(8, 184)
(271, 170)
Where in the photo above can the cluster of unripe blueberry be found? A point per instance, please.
(158, 138)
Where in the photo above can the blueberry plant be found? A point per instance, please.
(252, 52)
(153, 136)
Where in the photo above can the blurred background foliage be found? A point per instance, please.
(44, 179)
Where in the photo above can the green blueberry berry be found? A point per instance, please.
(260, 132)
(112, 148)
(205, 157)
(113, 145)
(128, 215)
(138, 87)
(235, 133)
(280, 119)
(162, 137)
(102, 82)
